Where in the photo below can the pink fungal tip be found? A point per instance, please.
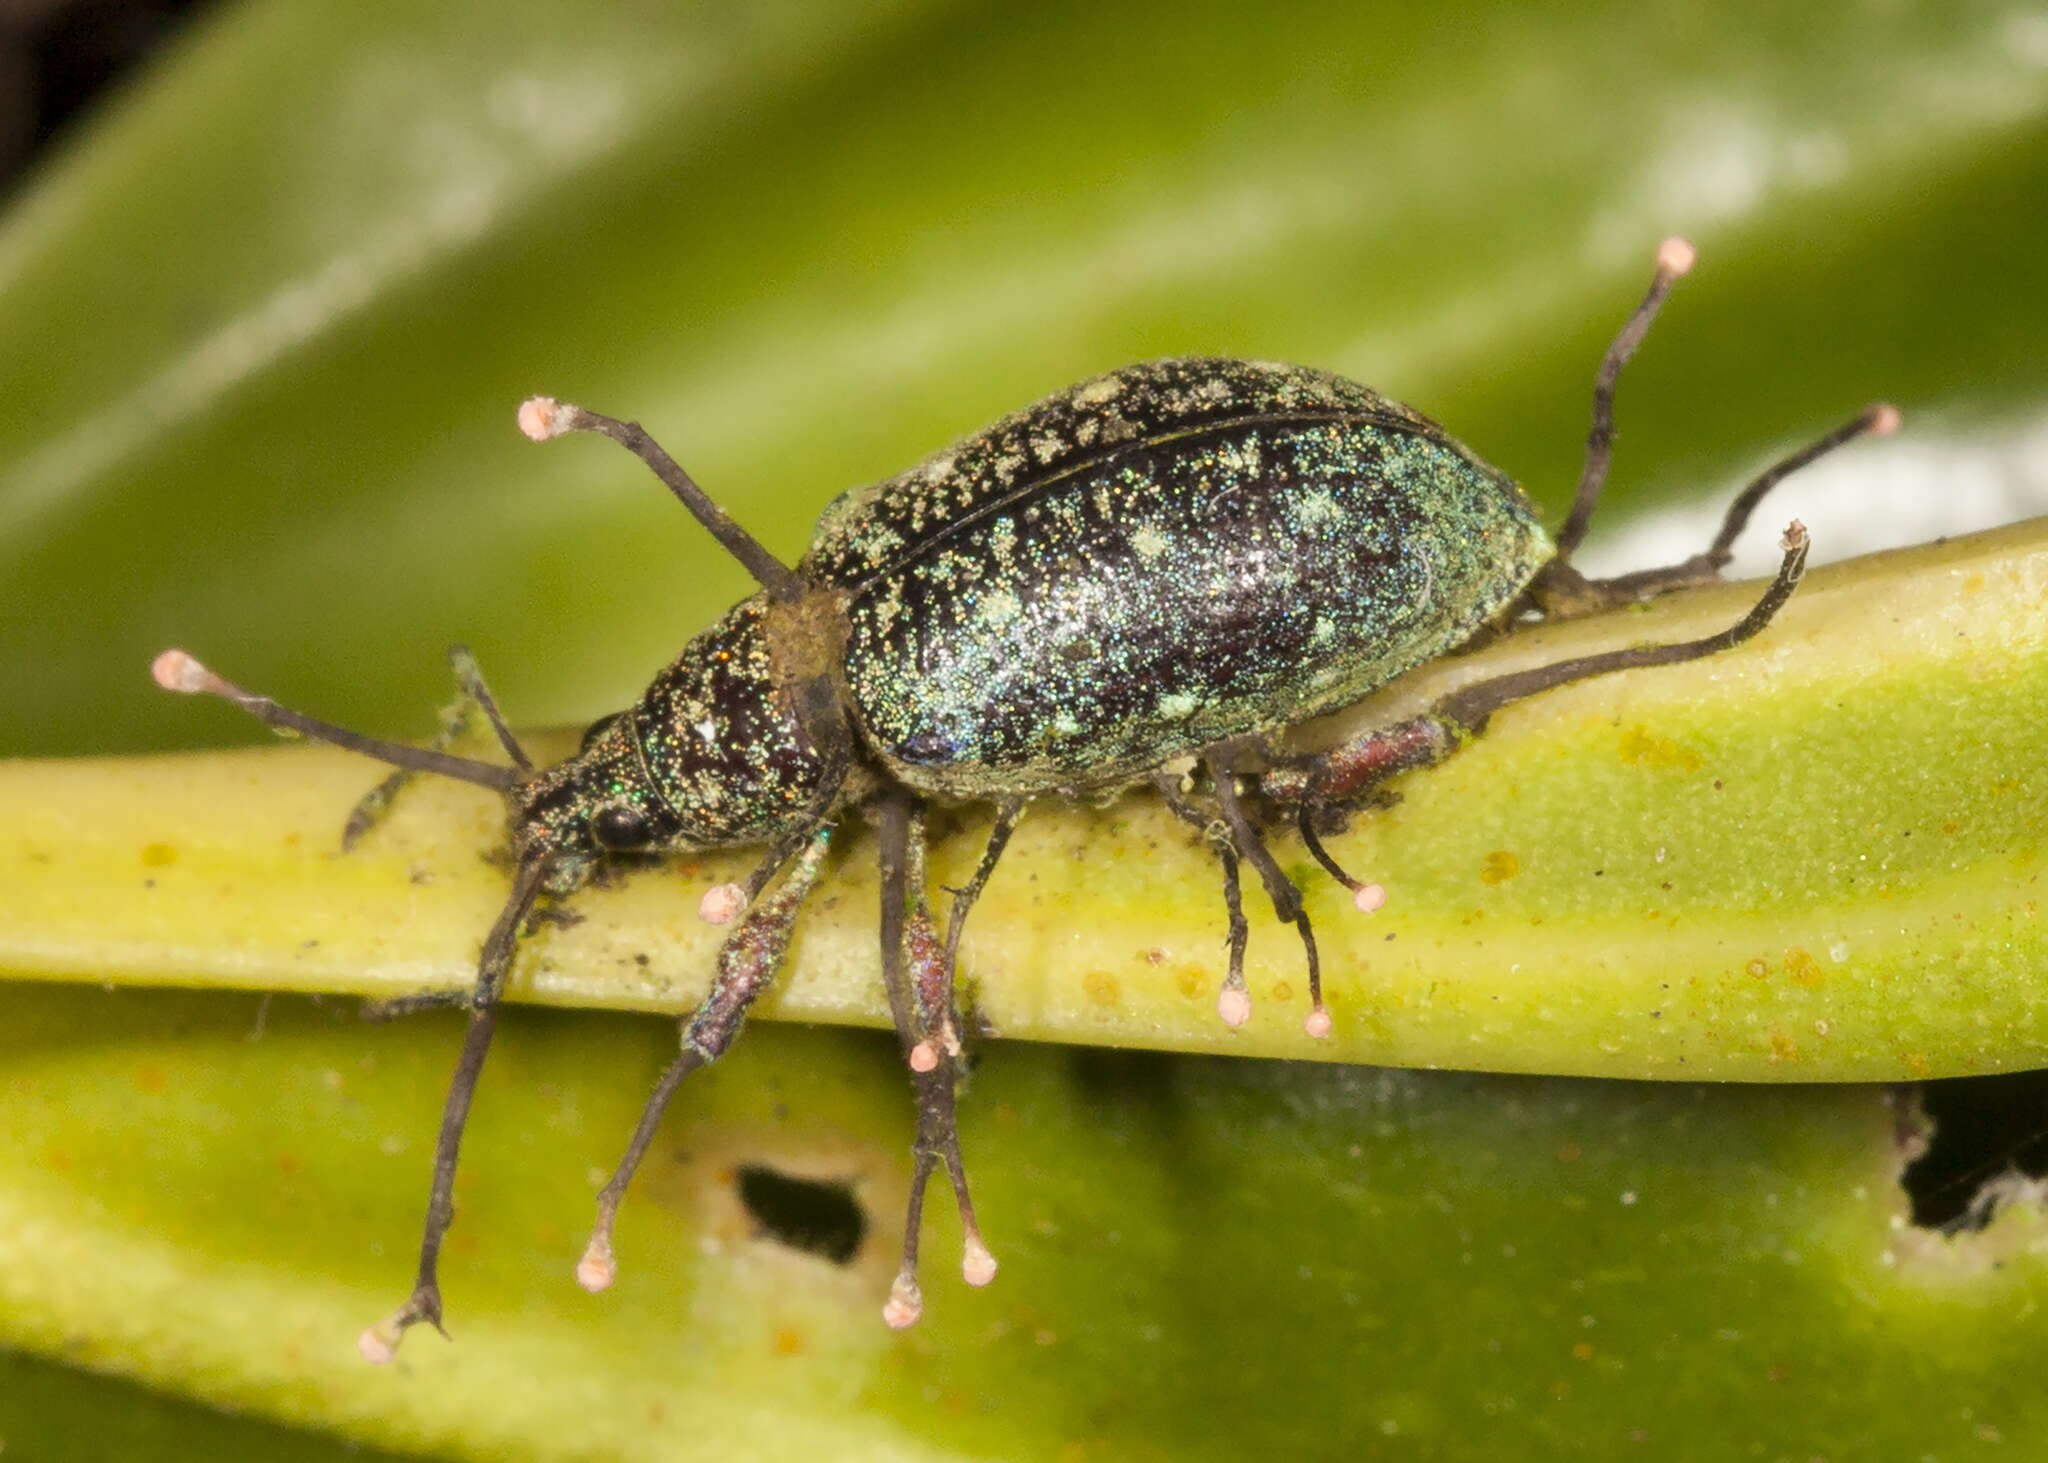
(1234, 1005)
(1369, 898)
(377, 1345)
(597, 1269)
(1884, 419)
(924, 1057)
(721, 904)
(1676, 256)
(540, 417)
(1795, 537)
(905, 1304)
(176, 671)
(977, 1265)
(1318, 1024)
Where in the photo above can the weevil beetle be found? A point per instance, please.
(1159, 569)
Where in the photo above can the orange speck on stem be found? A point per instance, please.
(1640, 747)
(1498, 867)
(1803, 968)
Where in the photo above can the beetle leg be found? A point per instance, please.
(1234, 1001)
(1367, 897)
(456, 720)
(380, 1343)
(1674, 258)
(722, 903)
(1286, 895)
(1705, 567)
(918, 978)
(747, 963)
(1355, 768)
(1560, 590)
(945, 1002)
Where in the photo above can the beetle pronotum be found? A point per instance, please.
(1156, 570)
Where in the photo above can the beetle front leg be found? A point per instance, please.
(457, 718)
(917, 972)
(380, 1343)
(747, 963)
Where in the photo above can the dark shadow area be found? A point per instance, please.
(54, 1414)
(1983, 1128)
(816, 1216)
(56, 56)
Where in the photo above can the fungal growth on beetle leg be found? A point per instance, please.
(1146, 577)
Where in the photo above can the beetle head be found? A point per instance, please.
(599, 802)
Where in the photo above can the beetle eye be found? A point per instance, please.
(619, 827)
(598, 728)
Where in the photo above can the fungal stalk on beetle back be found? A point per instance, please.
(1144, 579)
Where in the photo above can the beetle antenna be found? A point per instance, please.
(1675, 257)
(542, 417)
(175, 670)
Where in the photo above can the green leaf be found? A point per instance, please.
(1201, 1258)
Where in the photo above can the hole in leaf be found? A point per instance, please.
(817, 1216)
(1986, 1131)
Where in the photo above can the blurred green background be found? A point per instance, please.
(264, 317)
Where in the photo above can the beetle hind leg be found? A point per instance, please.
(1559, 590)
(747, 963)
